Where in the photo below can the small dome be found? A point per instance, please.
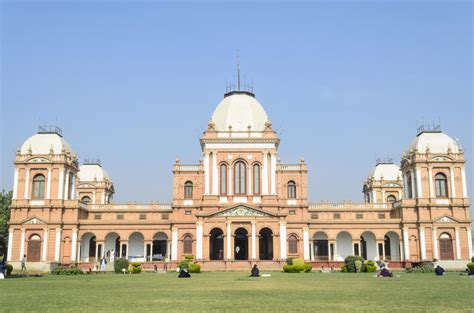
(43, 143)
(239, 110)
(388, 171)
(91, 172)
(437, 142)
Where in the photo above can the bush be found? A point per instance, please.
(189, 257)
(472, 259)
(307, 267)
(298, 261)
(420, 269)
(9, 268)
(298, 268)
(349, 261)
(183, 265)
(135, 268)
(195, 268)
(289, 261)
(67, 271)
(358, 265)
(120, 264)
(344, 269)
(136, 264)
(470, 266)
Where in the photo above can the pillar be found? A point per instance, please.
(199, 240)
(254, 241)
(419, 191)
(230, 190)
(273, 174)
(249, 180)
(57, 248)
(283, 240)
(311, 248)
(406, 243)
(174, 244)
(400, 247)
(265, 174)
(383, 196)
(15, 185)
(22, 243)
(430, 177)
(27, 184)
(73, 187)
(458, 244)
(305, 243)
(206, 173)
(464, 188)
(435, 244)
(453, 185)
(66, 187)
(413, 185)
(61, 184)
(45, 244)
(228, 239)
(422, 243)
(215, 184)
(48, 188)
(10, 245)
(469, 242)
(374, 196)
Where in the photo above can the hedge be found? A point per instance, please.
(195, 268)
(120, 264)
(9, 268)
(470, 266)
(67, 271)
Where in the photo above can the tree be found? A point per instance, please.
(5, 202)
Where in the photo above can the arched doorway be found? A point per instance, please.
(34, 248)
(92, 247)
(368, 246)
(445, 247)
(160, 247)
(320, 246)
(216, 244)
(392, 246)
(343, 246)
(136, 250)
(112, 246)
(265, 244)
(241, 244)
(87, 248)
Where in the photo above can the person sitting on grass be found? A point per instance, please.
(255, 272)
(385, 272)
(439, 271)
(3, 272)
(184, 273)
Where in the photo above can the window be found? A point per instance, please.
(38, 187)
(120, 216)
(441, 185)
(391, 199)
(86, 199)
(97, 216)
(142, 216)
(337, 216)
(291, 190)
(314, 216)
(292, 244)
(292, 212)
(256, 179)
(188, 212)
(187, 245)
(188, 190)
(223, 179)
(239, 178)
(165, 216)
(359, 216)
(381, 215)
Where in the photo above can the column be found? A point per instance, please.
(329, 251)
(311, 248)
(383, 196)
(174, 244)
(73, 187)
(27, 184)
(464, 185)
(419, 190)
(102, 198)
(57, 247)
(45, 244)
(265, 174)
(374, 196)
(413, 185)
(400, 247)
(283, 240)
(199, 240)
(61, 184)
(126, 250)
(215, 183)
(453, 185)
(435, 243)
(406, 243)
(121, 250)
(430, 177)
(254, 241)
(335, 251)
(145, 243)
(93, 197)
(469, 242)
(228, 238)
(273, 174)
(305, 243)
(383, 250)
(66, 188)
(206, 173)
(249, 180)
(422, 243)
(405, 185)
(10, 245)
(458, 245)
(15, 185)
(96, 252)
(48, 188)
(74, 245)
(230, 190)
(79, 251)
(22, 243)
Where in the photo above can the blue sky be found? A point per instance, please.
(135, 84)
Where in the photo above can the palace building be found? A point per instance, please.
(239, 205)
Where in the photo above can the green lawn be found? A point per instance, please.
(234, 291)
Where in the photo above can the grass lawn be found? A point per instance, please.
(234, 291)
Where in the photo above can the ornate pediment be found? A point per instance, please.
(391, 185)
(440, 159)
(38, 160)
(242, 210)
(34, 221)
(446, 219)
(86, 186)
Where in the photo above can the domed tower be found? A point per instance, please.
(435, 208)
(384, 184)
(94, 184)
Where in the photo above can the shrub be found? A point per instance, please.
(67, 271)
(195, 268)
(189, 257)
(183, 265)
(289, 261)
(349, 261)
(136, 264)
(472, 259)
(298, 261)
(120, 264)
(420, 269)
(291, 269)
(358, 265)
(470, 266)
(298, 268)
(307, 267)
(344, 269)
(370, 268)
(9, 268)
(135, 268)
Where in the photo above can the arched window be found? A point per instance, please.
(291, 190)
(38, 187)
(86, 199)
(256, 179)
(409, 187)
(391, 199)
(187, 244)
(441, 184)
(292, 244)
(239, 178)
(223, 179)
(188, 190)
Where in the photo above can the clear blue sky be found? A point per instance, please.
(135, 83)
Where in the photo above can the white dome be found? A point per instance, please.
(42, 143)
(437, 142)
(91, 172)
(239, 110)
(388, 171)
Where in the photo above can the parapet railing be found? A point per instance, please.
(130, 206)
(348, 205)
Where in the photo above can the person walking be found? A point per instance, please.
(23, 265)
(103, 264)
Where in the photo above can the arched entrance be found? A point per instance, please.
(160, 247)
(216, 244)
(320, 246)
(136, 250)
(445, 247)
(265, 244)
(87, 248)
(34, 248)
(241, 244)
(112, 246)
(343, 245)
(368, 246)
(392, 246)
